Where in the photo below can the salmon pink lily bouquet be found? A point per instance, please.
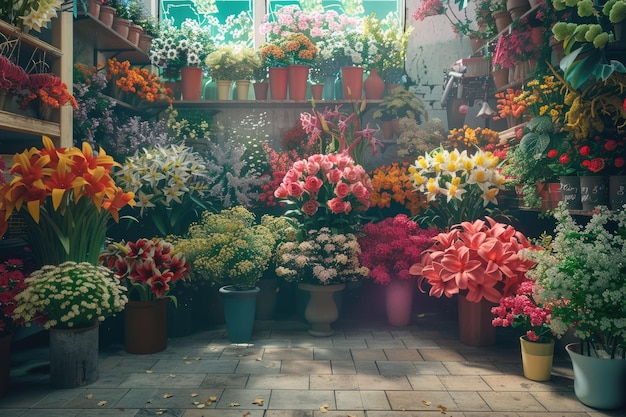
(478, 259)
(148, 267)
(326, 191)
(67, 196)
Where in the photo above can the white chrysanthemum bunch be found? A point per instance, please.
(323, 257)
(581, 276)
(175, 47)
(70, 296)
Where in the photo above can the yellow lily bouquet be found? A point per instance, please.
(68, 195)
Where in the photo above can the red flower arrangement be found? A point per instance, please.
(522, 310)
(279, 163)
(12, 277)
(597, 155)
(479, 258)
(149, 267)
(13, 78)
(326, 189)
(390, 247)
(49, 90)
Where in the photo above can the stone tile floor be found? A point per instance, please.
(363, 370)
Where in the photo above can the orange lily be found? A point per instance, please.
(119, 200)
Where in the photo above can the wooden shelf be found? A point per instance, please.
(15, 33)
(109, 42)
(22, 124)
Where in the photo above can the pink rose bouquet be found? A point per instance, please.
(390, 247)
(479, 259)
(327, 190)
(522, 310)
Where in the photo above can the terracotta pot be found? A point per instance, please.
(93, 8)
(317, 91)
(145, 326)
(475, 328)
(107, 15)
(517, 8)
(374, 86)
(502, 19)
(278, 83)
(121, 26)
(500, 77)
(536, 35)
(477, 43)
(352, 80)
(175, 86)
(145, 42)
(297, 76)
(260, 90)
(134, 33)
(387, 129)
(191, 78)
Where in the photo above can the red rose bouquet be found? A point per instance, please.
(390, 247)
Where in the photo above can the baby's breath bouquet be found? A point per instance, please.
(228, 248)
(581, 275)
(169, 183)
(70, 296)
(321, 258)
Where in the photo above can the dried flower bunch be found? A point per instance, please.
(69, 296)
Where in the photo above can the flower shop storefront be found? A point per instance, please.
(183, 222)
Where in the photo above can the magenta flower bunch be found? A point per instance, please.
(479, 259)
(522, 310)
(327, 190)
(390, 247)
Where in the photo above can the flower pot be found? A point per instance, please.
(73, 357)
(570, 191)
(278, 83)
(594, 191)
(617, 191)
(5, 362)
(191, 78)
(239, 309)
(550, 194)
(223, 89)
(500, 77)
(121, 26)
(93, 8)
(321, 310)
(352, 80)
(145, 42)
(475, 328)
(537, 359)
(176, 87)
(517, 8)
(145, 326)
(317, 91)
(598, 383)
(477, 43)
(399, 301)
(374, 86)
(107, 15)
(536, 35)
(243, 88)
(298, 76)
(260, 90)
(134, 33)
(502, 20)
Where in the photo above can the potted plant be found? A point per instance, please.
(398, 104)
(260, 76)
(581, 278)
(45, 93)
(148, 267)
(71, 299)
(479, 262)
(230, 63)
(232, 251)
(321, 262)
(459, 21)
(537, 343)
(388, 249)
(53, 188)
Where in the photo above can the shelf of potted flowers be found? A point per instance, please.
(148, 268)
(70, 300)
(388, 249)
(230, 63)
(580, 277)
